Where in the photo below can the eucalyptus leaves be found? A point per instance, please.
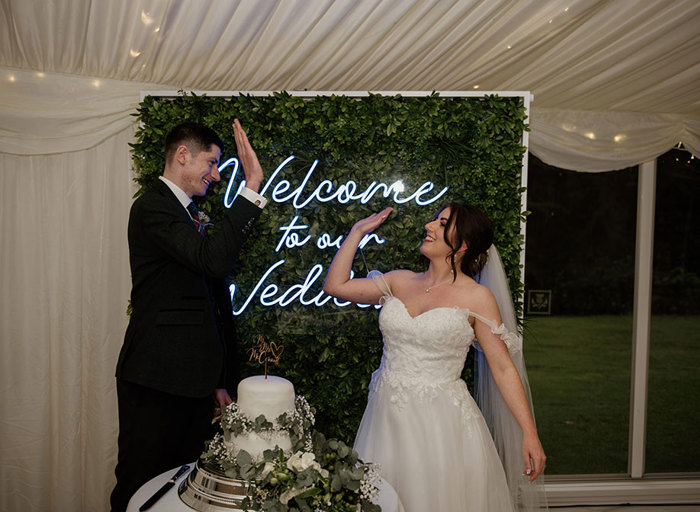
(328, 478)
(297, 422)
(318, 474)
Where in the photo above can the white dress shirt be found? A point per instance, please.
(184, 199)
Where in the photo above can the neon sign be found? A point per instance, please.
(294, 234)
(344, 194)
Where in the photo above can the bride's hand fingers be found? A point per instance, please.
(380, 217)
(372, 222)
(534, 467)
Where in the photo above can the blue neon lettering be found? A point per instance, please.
(325, 241)
(368, 238)
(292, 238)
(344, 193)
(250, 297)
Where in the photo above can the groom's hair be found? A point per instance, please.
(475, 229)
(195, 136)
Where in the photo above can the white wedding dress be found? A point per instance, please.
(421, 425)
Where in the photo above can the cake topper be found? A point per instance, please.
(265, 352)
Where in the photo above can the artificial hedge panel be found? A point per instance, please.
(473, 145)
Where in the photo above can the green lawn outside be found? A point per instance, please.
(673, 425)
(579, 369)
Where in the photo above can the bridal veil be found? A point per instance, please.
(507, 435)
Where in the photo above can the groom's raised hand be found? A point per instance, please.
(249, 160)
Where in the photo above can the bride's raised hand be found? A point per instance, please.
(338, 281)
(369, 224)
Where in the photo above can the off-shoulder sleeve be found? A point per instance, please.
(381, 283)
(513, 341)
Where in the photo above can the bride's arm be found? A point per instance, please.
(338, 282)
(509, 384)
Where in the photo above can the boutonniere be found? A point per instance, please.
(204, 219)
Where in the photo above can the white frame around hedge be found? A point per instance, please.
(635, 487)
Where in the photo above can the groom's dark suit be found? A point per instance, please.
(179, 346)
(172, 343)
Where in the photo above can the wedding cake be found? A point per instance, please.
(267, 396)
(266, 416)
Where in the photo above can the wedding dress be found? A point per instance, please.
(421, 424)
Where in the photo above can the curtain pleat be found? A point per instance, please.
(65, 286)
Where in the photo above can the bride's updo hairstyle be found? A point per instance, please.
(472, 227)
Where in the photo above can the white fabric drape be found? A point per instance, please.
(45, 113)
(65, 286)
(604, 141)
(598, 55)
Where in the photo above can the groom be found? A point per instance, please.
(179, 348)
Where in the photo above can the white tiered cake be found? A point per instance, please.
(251, 465)
(215, 484)
(268, 396)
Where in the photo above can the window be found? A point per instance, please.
(580, 256)
(673, 418)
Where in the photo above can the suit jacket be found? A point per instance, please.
(180, 330)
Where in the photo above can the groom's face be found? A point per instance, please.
(201, 169)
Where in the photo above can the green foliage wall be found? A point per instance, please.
(472, 145)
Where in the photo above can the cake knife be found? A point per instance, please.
(166, 487)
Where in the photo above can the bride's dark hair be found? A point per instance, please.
(472, 227)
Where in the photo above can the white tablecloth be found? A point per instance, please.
(387, 498)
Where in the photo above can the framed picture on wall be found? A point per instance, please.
(539, 302)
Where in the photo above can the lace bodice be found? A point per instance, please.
(426, 352)
(430, 348)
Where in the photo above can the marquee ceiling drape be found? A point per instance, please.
(615, 83)
(638, 59)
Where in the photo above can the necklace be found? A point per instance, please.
(436, 285)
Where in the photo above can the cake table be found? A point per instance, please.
(387, 498)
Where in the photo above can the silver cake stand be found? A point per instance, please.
(208, 489)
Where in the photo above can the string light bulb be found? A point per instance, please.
(146, 18)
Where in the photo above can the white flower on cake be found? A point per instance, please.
(303, 460)
(267, 469)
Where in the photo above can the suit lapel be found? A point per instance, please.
(164, 190)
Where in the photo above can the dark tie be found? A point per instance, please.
(194, 213)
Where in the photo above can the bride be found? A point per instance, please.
(421, 425)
